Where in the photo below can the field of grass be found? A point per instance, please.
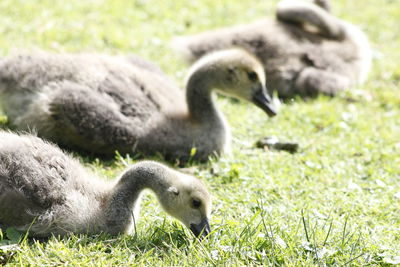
(336, 202)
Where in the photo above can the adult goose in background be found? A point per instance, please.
(102, 104)
(305, 50)
(46, 192)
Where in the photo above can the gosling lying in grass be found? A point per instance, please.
(102, 104)
(305, 50)
(47, 192)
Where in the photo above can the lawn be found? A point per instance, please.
(335, 202)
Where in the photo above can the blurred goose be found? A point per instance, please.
(44, 191)
(101, 104)
(305, 50)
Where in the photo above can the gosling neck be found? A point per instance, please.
(199, 95)
(127, 190)
(143, 175)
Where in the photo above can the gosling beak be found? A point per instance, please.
(262, 100)
(203, 228)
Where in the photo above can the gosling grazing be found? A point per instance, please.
(305, 50)
(101, 104)
(44, 191)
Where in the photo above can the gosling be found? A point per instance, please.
(102, 104)
(305, 51)
(44, 192)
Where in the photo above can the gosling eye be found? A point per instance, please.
(196, 203)
(252, 76)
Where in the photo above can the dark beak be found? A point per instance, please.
(202, 229)
(263, 100)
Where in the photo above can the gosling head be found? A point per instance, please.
(237, 73)
(188, 200)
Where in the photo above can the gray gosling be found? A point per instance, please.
(305, 50)
(102, 104)
(46, 192)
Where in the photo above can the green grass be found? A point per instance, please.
(335, 202)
